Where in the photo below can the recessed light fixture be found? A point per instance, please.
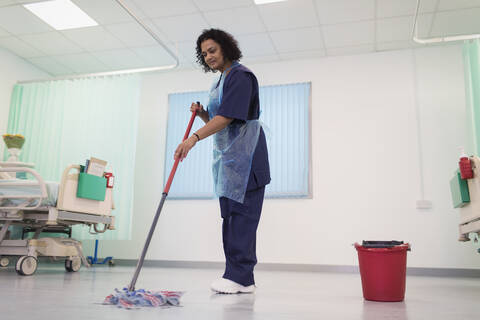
(267, 1)
(61, 14)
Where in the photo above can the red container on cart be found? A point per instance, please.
(383, 266)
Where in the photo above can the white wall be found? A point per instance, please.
(366, 177)
(12, 69)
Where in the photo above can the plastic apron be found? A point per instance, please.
(233, 149)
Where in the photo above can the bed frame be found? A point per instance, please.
(29, 212)
(470, 213)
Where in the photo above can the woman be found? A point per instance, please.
(240, 165)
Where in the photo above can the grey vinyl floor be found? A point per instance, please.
(52, 293)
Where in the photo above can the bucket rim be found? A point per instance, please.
(401, 247)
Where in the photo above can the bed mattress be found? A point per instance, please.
(30, 189)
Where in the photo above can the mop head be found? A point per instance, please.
(143, 298)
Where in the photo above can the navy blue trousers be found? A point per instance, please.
(240, 222)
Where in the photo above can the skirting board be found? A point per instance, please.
(411, 271)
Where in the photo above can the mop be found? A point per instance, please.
(130, 298)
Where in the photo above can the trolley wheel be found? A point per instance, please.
(111, 263)
(26, 265)
(4, 261)
(73, 265)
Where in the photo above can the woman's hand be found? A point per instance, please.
(197, 107)
(202, 113)
(184, 147)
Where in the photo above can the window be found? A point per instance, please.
(285, 114)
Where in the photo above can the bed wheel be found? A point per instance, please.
(111, 263)
(73, 265)
(4, 262)
(26, 265)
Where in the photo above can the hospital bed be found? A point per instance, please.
(469, 204)
(47, 206)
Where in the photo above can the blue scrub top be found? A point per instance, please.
(240, 101)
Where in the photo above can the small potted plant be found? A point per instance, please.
(14, 144)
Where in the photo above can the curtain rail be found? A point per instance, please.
(437, 39)
(120, 72)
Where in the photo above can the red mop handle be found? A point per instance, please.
(175, 165)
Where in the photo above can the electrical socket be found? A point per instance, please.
(424, 204)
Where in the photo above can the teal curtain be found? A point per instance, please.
(471, 59)
(68, 121)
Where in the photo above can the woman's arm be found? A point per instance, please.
(216, 124)
(204, 116)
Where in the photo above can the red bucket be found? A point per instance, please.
(383, 266)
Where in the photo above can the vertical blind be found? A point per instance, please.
(285, 117)
(193, 178)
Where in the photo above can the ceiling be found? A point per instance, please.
(293, 29)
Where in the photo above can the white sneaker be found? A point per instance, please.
(228, 286)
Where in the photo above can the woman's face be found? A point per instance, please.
(212, 54)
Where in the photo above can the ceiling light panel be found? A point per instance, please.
(61, 14)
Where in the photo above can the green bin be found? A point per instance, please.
(459, 190)
(91, 187)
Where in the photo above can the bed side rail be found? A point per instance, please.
(30, 202)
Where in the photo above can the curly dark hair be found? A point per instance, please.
(227, 43)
